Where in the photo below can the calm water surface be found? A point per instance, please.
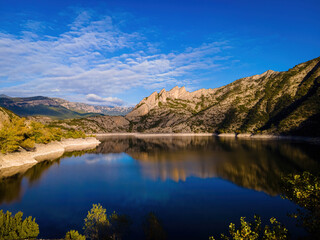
(196, 186)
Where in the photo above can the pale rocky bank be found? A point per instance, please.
(13, 163)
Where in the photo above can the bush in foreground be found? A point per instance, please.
(253, 231)
(13, 227)
(97, 225)
(74, 235)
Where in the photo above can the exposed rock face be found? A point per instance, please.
(158, 99)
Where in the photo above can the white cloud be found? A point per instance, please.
(95, 99)
(95, 58)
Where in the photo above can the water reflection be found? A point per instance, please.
(257, 165)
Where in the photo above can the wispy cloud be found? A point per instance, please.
(95, 59)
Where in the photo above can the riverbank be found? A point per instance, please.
(247, 136)
(13, 163)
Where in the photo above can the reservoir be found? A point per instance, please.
(195, 186)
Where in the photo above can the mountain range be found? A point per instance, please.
(273, 102)
(286, 103)
(56, 108)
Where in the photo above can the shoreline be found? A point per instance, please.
(245, 136)
(17, 162)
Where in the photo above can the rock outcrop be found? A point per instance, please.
(158, 99)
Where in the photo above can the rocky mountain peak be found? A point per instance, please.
(155, 99)
(265, 74)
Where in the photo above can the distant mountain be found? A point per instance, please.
(55, 108)
(85, 108)
(4, 96)
(273, 102)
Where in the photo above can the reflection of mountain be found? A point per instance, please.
(255, 164)
(252, 164)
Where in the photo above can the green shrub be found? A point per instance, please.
(74, 235)
(11, 135)
(13, 227)
(97, 225)
(253, 231)
(28, 144)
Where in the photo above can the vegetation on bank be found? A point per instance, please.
(20, 133)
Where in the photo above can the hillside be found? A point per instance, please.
(273, 102)
(56, 108)
(5, 116)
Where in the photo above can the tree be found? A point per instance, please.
(12, 134)
(13, 227)
(74, 235)
(95, 222)
(252, 231)
(153, 229)
(97, 225)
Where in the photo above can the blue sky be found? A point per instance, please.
(116, 52)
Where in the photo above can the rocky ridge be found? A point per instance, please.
(273, 102)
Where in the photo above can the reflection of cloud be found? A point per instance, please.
(95, 56)
(111, 157)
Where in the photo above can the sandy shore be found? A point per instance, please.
(14, 163)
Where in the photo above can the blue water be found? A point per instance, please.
(195, 186)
